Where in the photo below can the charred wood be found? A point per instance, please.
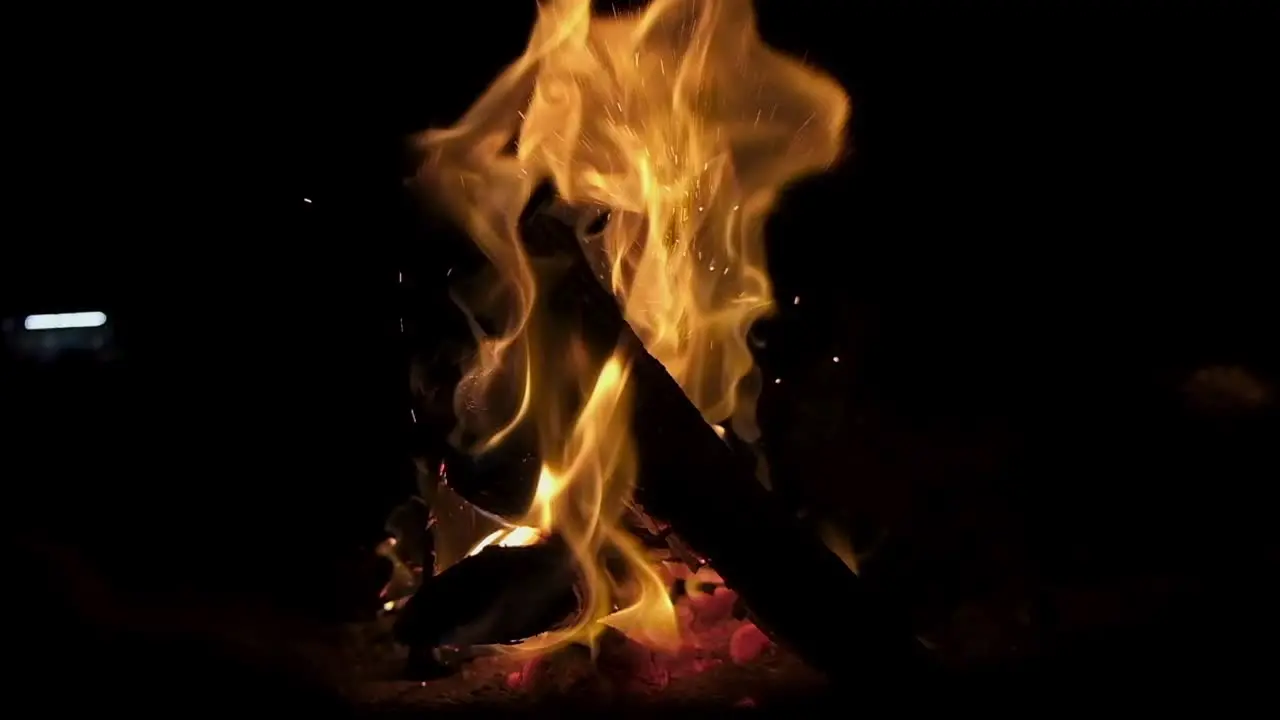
(500, 595)
(658, 534)
(500, 482)
(691, 478)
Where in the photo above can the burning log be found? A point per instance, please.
(501, 595)
(687, 159)
(658, 534)
(691, 478)
(500, 482)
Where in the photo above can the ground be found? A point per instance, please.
(725, 662)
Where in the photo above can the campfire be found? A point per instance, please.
(604, 489)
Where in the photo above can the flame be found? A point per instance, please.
(682, 124)
(518, 536)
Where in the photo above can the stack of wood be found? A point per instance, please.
(695, 498)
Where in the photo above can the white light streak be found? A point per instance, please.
(65, 321)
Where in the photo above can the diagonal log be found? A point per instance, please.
(797, 589)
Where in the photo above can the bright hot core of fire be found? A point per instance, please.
(681, 122)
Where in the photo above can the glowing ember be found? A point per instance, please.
(685, 126)
(508, 537)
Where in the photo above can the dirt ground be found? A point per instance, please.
(725, 662)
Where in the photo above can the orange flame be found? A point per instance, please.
(685, 126)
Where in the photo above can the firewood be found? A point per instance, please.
(500, 595)
(500, 482)
(690, 478)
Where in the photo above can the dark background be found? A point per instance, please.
(1051, 216)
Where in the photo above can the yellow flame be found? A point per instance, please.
(685, 126)
(839, 543)
(518, 536)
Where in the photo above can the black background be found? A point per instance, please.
(1051, 214)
